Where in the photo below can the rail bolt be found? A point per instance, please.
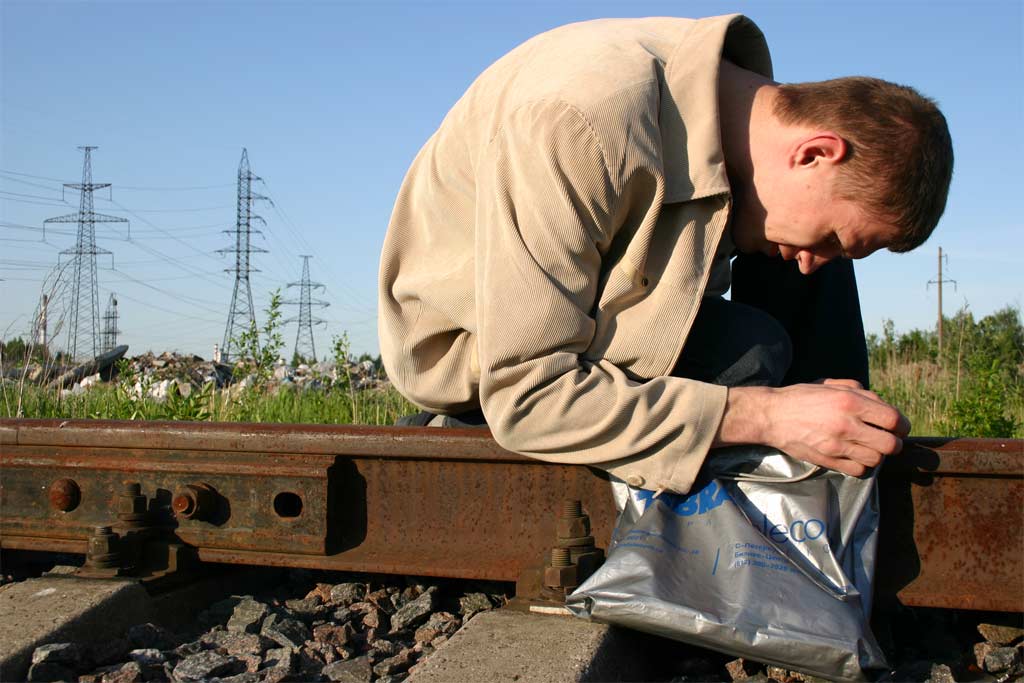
(65, 495)
(561, 572)
(131, 500)
(103, 551)
(572, 522)
(194, 501)
(573, 527)
(131, 506)
(572, 508)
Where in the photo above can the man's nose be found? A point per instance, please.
(809, 262)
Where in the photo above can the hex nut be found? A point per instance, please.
(579, 542)
(102, 545)
(560, 577)
(573, 527)
(133, 505)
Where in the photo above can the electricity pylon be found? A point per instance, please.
(110, 330)
(83, 334)
(241, 317)
(304, 347)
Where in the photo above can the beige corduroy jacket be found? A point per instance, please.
(552, 241)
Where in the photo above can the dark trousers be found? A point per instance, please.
(780, 328)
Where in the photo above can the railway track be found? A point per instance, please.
(150, 499)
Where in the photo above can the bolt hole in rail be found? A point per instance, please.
(443, 502)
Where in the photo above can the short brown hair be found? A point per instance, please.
(900, 157)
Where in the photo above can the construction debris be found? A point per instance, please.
(156, 376)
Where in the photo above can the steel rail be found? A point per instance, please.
(450, 502)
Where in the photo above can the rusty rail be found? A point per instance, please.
(453, 503)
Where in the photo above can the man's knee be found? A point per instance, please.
(733, 344)
(765, 363)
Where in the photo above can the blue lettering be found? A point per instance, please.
(798, 531)
(711, 496)
(705, 500)
(686, 507)
(807, 528)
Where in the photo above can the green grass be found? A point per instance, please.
(926, 392)
(939, 401)
(111, 402)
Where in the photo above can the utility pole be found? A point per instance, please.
(939, 283)
(110, 330)
(241, 317)
(304, 347)
(83, 335)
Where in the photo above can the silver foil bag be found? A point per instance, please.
(768, 558)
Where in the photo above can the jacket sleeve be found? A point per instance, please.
(545, 206)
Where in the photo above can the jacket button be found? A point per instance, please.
(635, 480)
(645, 282)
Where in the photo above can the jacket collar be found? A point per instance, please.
(690, 131)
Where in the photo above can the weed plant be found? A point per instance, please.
(974, 387)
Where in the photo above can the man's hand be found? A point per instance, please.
(835, 424)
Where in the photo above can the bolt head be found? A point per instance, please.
(184, 504)
(65, 495)
(561, 577)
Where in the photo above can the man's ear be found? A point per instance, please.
(822, 147)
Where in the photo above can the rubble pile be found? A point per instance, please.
(155, 376)
(180, 369)
(356, 631)
(362, 375)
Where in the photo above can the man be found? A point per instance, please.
(558, 252)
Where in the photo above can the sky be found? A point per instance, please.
(333, 100)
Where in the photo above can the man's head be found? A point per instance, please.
(843, 168)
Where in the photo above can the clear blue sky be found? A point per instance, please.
(333, 100)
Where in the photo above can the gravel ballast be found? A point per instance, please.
(364, 629)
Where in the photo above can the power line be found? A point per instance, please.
(183, 277)
(188, 210)
(29, 201)
(176, 189)
(30, 183)
(176, 295)
(35, 228)
(180, 188)
(29, 175)
(185, 316)
(181, 264)
(352, 299)
(33, 196)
